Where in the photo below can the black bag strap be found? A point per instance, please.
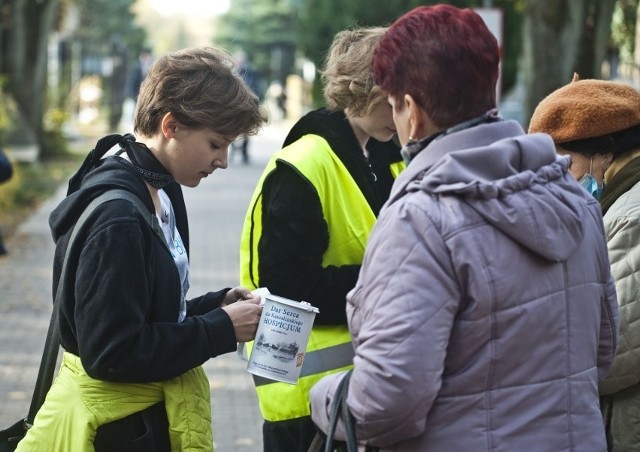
(52, 342)
(103, 146)
(340, 407)
(347, 417)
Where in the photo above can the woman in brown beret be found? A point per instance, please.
(454, 349)
(597, 123)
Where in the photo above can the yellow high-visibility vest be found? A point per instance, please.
(329, 349)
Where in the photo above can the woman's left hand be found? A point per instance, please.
(238, 294)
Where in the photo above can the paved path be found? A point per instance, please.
(216, 213)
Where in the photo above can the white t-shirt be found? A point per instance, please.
(176, 246)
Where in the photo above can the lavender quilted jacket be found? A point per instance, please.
(485, 315)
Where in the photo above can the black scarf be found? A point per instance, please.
(143, 159)
(620, 183)
(140, 155)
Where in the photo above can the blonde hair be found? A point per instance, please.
(348, 84)
(202, 89)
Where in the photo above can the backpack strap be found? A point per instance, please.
(103, 146)
(52, 342)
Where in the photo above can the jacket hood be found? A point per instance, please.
(111, 172)
(515, 182)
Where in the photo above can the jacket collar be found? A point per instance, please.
(439, 146)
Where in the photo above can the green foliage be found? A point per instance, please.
(9, 190)
(107, 29)
(320, 20)
(108, 26)
(31, 185)
(623, 28)
(263, 27)
(512, 40)
(55, 143)
(264, 30)
(5, 117)
(106, 20)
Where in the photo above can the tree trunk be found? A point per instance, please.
(562, 37)
(25, 59)
(595, 38)
(604, 18)
(553, 29)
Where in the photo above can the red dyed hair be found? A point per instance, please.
(445, 58)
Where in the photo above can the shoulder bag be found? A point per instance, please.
(10, 437)
(322, 443)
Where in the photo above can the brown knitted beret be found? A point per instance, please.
(586, 109)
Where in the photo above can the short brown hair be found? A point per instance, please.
(201, 88)
(347, 71)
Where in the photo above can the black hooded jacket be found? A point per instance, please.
(295, 235)
(120, 304)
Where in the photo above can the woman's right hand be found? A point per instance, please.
(245, 316)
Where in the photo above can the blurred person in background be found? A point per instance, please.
(484, 315)
(310, 218)
(131, 376)
(6, 173)
(597, 124)
(134, 79)
(139, 73)
(254, 81)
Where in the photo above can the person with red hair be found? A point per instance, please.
(485, 314)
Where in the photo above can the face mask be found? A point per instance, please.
(590, 184)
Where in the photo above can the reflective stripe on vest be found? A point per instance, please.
(317, 361)
(282, 401)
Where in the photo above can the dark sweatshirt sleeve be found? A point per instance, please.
(207, 302)
(293, 242)
(117, 339)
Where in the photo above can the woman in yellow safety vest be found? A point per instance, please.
(310, 218)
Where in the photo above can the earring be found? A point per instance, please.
(411, 140)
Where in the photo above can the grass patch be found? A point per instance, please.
(31, 185)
